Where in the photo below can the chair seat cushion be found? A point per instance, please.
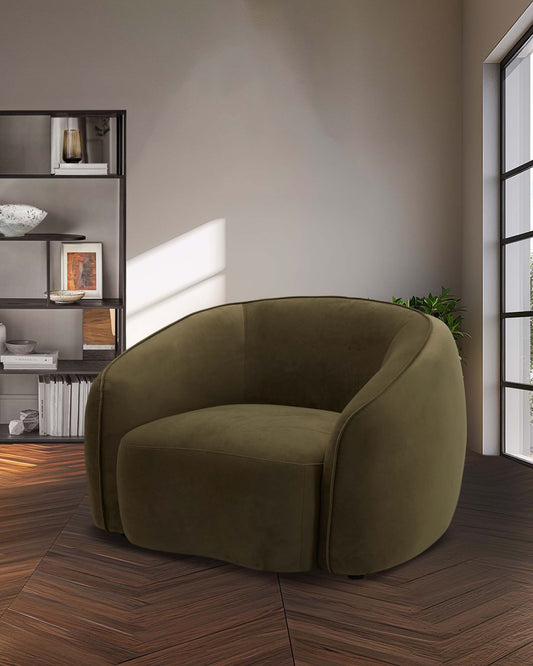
(239, 483)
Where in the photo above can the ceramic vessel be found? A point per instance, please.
(19, 219)
(66, 296)
(30, 419)
(20, 346)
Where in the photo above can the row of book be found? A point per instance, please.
(62, 401)
(33, 361)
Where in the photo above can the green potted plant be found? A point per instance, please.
(444, 306)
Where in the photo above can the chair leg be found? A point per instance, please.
(358, 577)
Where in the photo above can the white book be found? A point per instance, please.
(51, 406)
(68, 166)
(47, 405)
(61, 402)
(74, 405)
(57, 405)
(80, 167)
(48, 358)
(81, 172)
(57, 412)
(27, 366)
(67, 395)
(40, 401)
(98, 347)
(81, 410)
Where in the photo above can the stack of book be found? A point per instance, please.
(79, 169)
(46, 360)
(62, 402)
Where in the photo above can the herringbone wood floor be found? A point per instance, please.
(72, 595)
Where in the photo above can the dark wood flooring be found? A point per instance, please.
(72, 595)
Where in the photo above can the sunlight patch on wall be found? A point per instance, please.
(175, 278)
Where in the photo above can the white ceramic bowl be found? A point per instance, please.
(66, 296)
(20, 346)
(19, 219)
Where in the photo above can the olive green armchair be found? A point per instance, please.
(282, 435)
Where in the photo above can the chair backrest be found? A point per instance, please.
(317, 351)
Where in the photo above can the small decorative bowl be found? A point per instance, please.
(66, 296)
(20, 346)
(18, 219)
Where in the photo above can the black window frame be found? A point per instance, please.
(504, 242)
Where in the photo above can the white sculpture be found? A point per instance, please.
(16, 427)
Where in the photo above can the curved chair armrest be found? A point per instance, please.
(194, 363)
(393, 472)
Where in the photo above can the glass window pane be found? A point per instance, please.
(517, 76)
(518, 208)
(518, 297)
(518, 423)
(518, 357)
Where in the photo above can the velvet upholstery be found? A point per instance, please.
(282, 433)
(254, 462)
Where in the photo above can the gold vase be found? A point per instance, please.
(71, 146)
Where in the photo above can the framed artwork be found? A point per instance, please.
(81, 268)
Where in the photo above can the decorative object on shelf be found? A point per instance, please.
(81, 268)
(99, 338)
(46, 360)
(58, 127)
(30, 419)
(2, 338)
(72, 152)
(21, 347)
(101, 136)
(98, 142)
(19, 219)
(16, 427)
(65, 296)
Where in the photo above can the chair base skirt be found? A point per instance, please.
(254, 513)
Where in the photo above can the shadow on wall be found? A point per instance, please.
(176, 278)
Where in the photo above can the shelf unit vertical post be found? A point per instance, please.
(48, 269)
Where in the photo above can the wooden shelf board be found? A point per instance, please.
(45, 237)
(67, 367)
(32, 437)
(43, 304)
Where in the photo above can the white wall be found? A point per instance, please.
(490, 28)
(325, 133)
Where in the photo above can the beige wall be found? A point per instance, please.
(320, 139)
(325, 133)
(490, 28)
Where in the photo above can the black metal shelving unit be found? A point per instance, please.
(73, 366)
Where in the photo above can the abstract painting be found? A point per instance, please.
(81, 268)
